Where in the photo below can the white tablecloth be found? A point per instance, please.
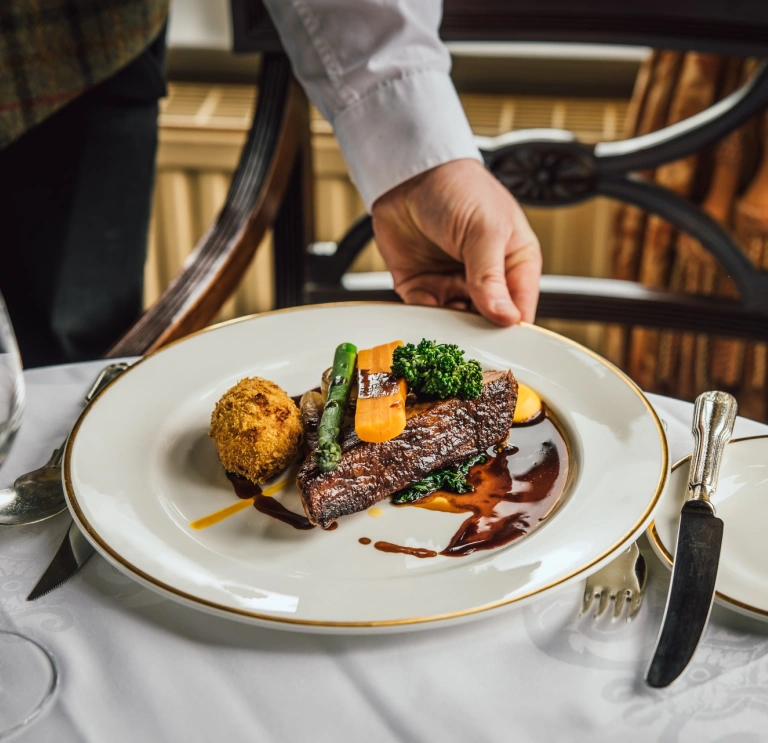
(137, 667)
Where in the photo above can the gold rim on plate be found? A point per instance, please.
(663, 552)
(118, 559)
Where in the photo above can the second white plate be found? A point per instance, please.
(741, 501)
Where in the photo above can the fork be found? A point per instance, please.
(621, 581)
(39, 495)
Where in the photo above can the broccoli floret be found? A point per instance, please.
(438, 370)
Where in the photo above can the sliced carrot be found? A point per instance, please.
(380, 412)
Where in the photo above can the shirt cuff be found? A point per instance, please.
(402, 128)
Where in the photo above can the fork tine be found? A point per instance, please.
(622, 598)
(634, 605)
(621, 581)
(602, 604)
(589, 597)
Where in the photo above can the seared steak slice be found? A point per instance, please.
(436, 435)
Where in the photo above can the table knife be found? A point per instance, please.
(75, 550)
(699, 539)
(70, 557)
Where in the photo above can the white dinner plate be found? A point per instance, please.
(140, 467)
(741, 501)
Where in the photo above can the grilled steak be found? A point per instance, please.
(437, 435)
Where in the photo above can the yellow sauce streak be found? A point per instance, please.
(272, 489)
(438, 502)
(375, 512)
(216, 516)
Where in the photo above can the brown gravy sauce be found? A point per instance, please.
(415, 551)
(515, 490)
(364, 540)
(266, 504)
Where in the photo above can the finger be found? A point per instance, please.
(486, 281)
(523, 270)
(418, 295)
(434, 289)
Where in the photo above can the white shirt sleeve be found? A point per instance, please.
(377, 70)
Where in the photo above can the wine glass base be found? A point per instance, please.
(28, 680)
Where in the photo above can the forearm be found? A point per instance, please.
(379, 73)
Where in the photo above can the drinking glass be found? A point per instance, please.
(28, 674)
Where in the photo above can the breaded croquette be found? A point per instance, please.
(256, 428)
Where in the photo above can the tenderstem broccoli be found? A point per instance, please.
(438, 370)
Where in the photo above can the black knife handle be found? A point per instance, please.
(714, 415)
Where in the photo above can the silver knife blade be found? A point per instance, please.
(691, 593)
(699, 540)
(70, 557)
(75, 549)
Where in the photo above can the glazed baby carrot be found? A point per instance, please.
(380, 413)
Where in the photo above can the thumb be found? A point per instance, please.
(483, 256)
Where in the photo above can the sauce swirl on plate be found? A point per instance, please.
(515, 490)
(245, 489)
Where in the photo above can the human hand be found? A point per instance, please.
(454, 237)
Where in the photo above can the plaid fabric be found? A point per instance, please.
(51, 51)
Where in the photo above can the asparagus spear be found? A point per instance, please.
(328, 453)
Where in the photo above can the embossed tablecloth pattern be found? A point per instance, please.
(137, 667)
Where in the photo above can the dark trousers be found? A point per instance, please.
(75, 198)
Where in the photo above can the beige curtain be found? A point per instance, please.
(730, 182)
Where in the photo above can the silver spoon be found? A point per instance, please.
(39, 494)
